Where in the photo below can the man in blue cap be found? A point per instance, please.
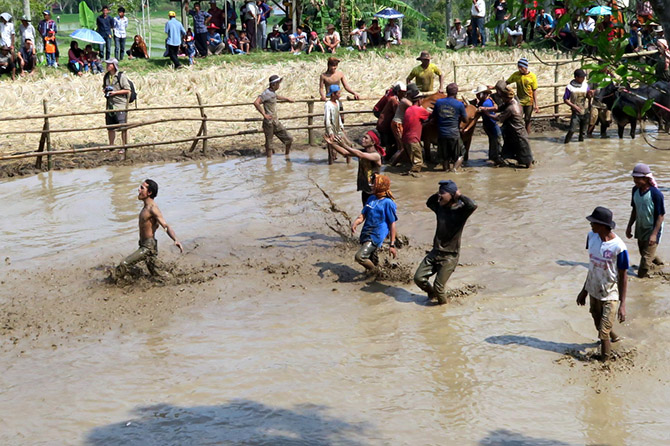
(452, 210)
(606, 282)
(333, 121)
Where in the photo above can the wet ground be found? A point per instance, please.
(270, 335)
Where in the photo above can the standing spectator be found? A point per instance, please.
(271, 124)
(452, 210)
(606, 280)
(412, 125)
(218, 15)
(526, 89)
(333, 120)
(644, 11)
(487, 108)
(264, 11)
(360, 36)
(298, 41)
(43, 27)
(516, 145)
(27, 31)
(500, 7)
(392, 33)
(232, 18)
(116, 86)
(375, 33)
(75, 59)
(425, 73)
(200, 21)
(647, 215)
(662, 70)
(27, 57)
(138, 50)
(105, 26)
(458, 36)
(120, 25)
(576, 95)
(215, 44)
(478, 13)
(50, 48)
(634, 39)
(7, 62)
(529, 14)
(544, 23)
(7, 32)
(314, 42)
(331, 39)
(448, 113)
(250, 20)
(175, 32)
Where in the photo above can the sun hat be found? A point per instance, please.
(274, 79)
(26, 18)
(114, 61)
(641, 170)
(331, 26)
(400, 86)
(481, 89)
(448, 186)
(425, 55)
(602, 216)
(7, 16)
(333, 89)
(467, 23)
(412, 91)
(457, 21)
(523, 62)
(172, 14)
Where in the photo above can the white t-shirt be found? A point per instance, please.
(605, 261)
(332, 118)
(6, 33)
(120, 25)
(482, 9)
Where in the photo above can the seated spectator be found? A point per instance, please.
(92, 61)
(7, 62)
(607, 27)
(392, 33)
(75, 59)
(332, 39)
(514, 35)
(360, 36)
(468, 29)
(138, 49)
(245, 43)
(375, 33)
(586, 24)
(27, 57)
(233, 44)
(214, 43)
(634, 38)
(544, 23)
(278, 41)
(298, 40)
(314, 42)
(458, 36)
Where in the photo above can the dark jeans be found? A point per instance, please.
(106, 48)
(119, 47)
(201, 44)
(478, 30)
(251, 33)
(8, 69)
(173, 50)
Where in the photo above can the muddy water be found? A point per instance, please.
(329, 358)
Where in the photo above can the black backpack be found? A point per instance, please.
(133, 94)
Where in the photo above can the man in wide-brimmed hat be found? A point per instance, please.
(332, 39)
(215, 43)
(266, 104)
(458, 36)
(606, 280)
(425, 73)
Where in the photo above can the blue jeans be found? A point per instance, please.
(106, 47)
(478, 29)
(119, 47)
(51, 59)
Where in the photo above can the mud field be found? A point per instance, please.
(266, 332)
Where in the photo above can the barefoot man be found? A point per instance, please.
(333, 77)
(271, 125)
(150, 218)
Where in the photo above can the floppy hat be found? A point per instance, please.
(481, 89)
(603, 216)
(274, 79)
(114, 62)
(7, 16)
(333, 89)
(641, 170)
(425, 55)
(457, 21)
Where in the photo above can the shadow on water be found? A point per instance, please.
(399, 294)
(571, 263)
(503, 437)
(344, 273)
(239, 422)
(557, 347)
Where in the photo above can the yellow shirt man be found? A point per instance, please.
(425, 73)
(526, 84)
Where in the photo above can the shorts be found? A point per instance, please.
(276, 128)
(527, 112)
(113, 118)
(604, 313)
(367, 251)
(450, 149)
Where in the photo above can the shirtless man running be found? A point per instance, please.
(333, 77)
(150, 218)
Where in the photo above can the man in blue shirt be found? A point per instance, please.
(491, 128)
(200, 21)
(105, 24)
(214, 43)
(448, 113)
(175, 33)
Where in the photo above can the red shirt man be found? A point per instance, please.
(411, 136)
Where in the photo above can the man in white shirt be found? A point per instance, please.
(7, 33)
(298, 40)
(478, 13)
(120, 25)
(458, 36)
(27, 31)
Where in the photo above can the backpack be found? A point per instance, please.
(133, 94)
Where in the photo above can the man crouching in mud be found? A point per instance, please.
(452, 210)
(606, 281)
(379, 215)
(150, 218)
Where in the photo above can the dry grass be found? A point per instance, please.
(368, 73)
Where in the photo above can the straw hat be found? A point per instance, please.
(481, 89)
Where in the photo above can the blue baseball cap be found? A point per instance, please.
(333, 89)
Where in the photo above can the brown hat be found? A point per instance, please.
(331, 26)
(333, 61)
(508, 93)
(457, 21)
(425, 55)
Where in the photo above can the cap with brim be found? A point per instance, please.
(212, 26)
(481, 89)
(641, 170)
(274, 79)
(467, 23)
(114, 62)
(333, 89)
(46, 13)
(172, 14)
(275, 28)
(602, 216)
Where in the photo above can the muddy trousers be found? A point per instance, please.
(147, 252)
(440, 264)
(604, 314)
(647, 257)
(577, 123)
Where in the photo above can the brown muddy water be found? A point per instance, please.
(274, 338)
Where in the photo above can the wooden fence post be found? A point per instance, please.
(310, 122)
(455, 66)
(43, 137)
(556, 89)
(47, 134)
(203, 126)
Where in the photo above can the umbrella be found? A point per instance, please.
(389, 13)
(87, 35)
(600, 10)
